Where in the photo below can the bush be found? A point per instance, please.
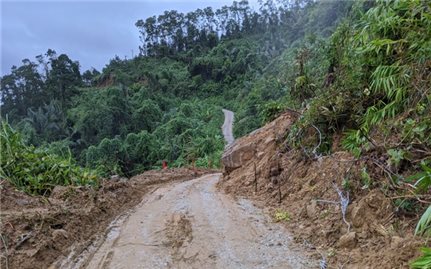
(37, 170)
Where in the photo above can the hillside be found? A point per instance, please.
(331, 213)
(331, 108)
(165, 103)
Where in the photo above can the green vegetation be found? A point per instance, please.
(38, 171)
(281, 215)
(424, 224)
(165, 104)
(423, 262)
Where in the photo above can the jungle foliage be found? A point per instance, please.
(38, 170)
(165, 104)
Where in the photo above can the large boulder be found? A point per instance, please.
(237, 154)
(259, 143)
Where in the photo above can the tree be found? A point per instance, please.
(22, 89)
(89, 76)
(63, 79)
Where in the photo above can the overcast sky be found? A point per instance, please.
(92, 32)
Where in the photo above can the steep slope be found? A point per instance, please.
(314, 192)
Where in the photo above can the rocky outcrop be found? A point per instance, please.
(256, 144)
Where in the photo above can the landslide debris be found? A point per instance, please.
(37, 231)
(260, 167)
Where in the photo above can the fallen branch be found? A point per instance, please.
(326, 201)
(6, 255)
(24, 238)
(344, 202)
(320, 141)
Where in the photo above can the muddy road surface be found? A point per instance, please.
(227, 127)
(192, 225)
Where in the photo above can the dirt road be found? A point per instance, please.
(192, 225)
(227, 126)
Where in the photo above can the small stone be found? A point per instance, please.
(358, 213)
(59, 234)
(311, 210)
(396, 242)
(274, 171)
(115, 177)
(58, 192)
(22, 202)
(348, 240)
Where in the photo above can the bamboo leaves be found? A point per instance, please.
(37, 170)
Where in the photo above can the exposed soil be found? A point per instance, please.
(278, 178)
(192, 225)
(162, 219)
(37, 231)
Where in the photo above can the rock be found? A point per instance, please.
(59, 234)
(311, 210)
(115, 177)
(347, 241)
(58, 192)
(30, 252)
(358, 212)
(260, 154)
(22, 202)
(237, 155)
(396, 242)
(274, 171)
(373, 206)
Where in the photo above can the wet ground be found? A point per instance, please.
(227, 127)
(192, 225)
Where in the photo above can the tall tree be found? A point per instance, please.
(22, 89)
(63, 78)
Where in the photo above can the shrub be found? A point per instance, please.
(37, 170)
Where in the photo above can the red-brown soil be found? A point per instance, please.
(36, 231)
(281, 179)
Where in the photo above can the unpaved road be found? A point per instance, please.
(192, 225)
(227, 126)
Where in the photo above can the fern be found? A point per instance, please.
(423, 179)
(424, 225)
(353, 141)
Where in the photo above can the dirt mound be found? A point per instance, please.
(37, 231)
(313, 193)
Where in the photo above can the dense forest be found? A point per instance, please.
(165, 104)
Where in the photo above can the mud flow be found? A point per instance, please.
(191, 225)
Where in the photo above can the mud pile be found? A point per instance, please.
(37, 231)
(373, 234)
